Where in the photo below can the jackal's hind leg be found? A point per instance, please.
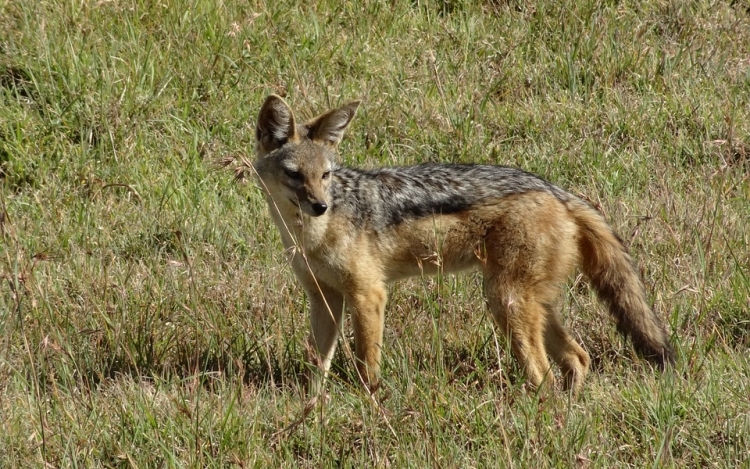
(565, 351)
(522, 319)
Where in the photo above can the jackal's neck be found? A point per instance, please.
(296, 228)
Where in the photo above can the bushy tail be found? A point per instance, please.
(610, 270)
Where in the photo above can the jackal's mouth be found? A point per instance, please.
(294, 202)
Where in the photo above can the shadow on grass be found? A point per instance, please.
(97, 361)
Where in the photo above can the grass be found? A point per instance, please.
(148, 317)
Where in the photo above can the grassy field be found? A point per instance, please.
(148, 317)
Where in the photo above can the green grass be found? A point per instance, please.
(147, 314)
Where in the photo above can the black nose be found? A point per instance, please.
(319, 208)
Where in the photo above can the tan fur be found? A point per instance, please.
(527, 244)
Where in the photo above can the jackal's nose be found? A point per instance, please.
(319, 208)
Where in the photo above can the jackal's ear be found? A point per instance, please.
(328, 128)
(275, 124)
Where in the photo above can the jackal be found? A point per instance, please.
(351, 231)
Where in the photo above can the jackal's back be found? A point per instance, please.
(389, 196)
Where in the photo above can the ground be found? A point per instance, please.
(148, 317)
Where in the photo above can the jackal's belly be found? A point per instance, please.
(434, 244)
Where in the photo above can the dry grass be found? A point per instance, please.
(148, 317)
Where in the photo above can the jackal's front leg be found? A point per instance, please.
(326, 314)
(367, 306)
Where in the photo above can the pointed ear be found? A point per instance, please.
(275, 124)
(328, 128)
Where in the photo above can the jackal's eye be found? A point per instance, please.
(296, 175)
(326, 175)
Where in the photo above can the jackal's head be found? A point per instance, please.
(294, 161)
